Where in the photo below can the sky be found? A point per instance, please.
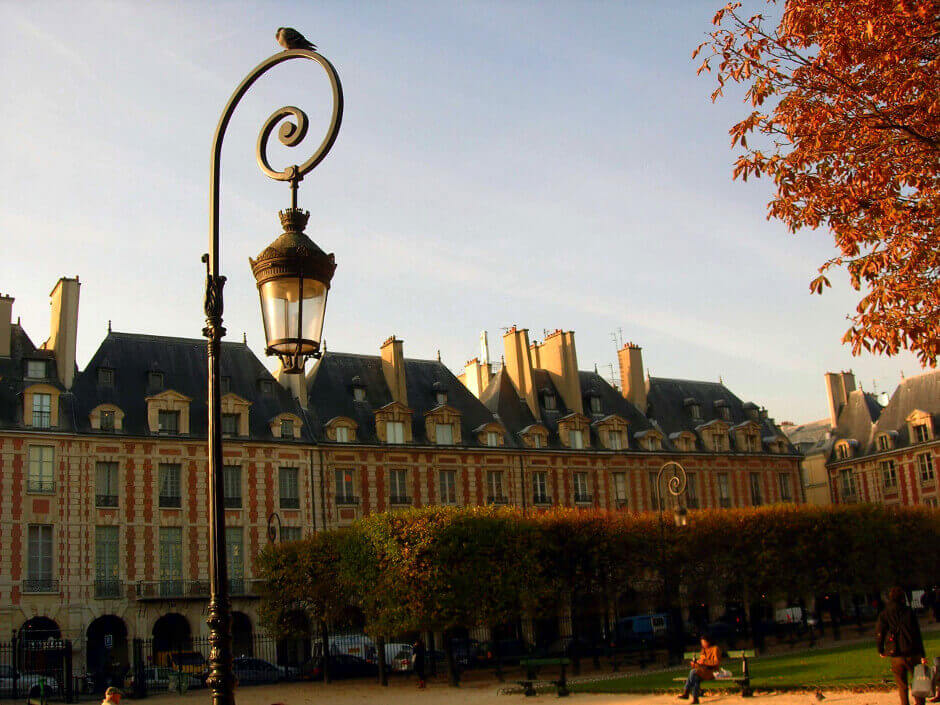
(545, 164)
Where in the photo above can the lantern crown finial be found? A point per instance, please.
(294, 220)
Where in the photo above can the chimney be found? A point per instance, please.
(6, 324)
(838, 396)
(63, 331)
(475, 377)
(518, 365)
(848, 383)
(632, 382)
(558, 356)
(294, 383)
(393, 365)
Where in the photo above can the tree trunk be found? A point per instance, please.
(383, 671)
(325, 640)
(453, 677)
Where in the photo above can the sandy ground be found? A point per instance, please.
(405, 693)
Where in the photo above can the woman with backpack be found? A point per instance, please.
(899, 639)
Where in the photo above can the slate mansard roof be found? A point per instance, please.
(183, 364)
(330, 394)
(13, 381)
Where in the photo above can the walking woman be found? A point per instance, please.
(703, 669)
(899, 639)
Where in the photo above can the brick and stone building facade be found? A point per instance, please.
(103, 501)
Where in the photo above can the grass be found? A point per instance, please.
(843, 667)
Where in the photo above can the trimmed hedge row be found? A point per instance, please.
(441, 568)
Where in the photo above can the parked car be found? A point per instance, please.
(467, 652)
(24, 681)
(158, 679)
(341, 666)
(641, 630)
(191, 662)
(254, 671)
(507, 650)
(398, 656)
(358, 645)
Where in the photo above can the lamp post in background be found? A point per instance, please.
(293, 277)
(676, 485)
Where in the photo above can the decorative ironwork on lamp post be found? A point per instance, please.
(293, 277)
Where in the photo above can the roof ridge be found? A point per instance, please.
(168, 338)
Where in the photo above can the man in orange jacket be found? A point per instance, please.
(703, 669)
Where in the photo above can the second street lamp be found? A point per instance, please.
(293, 277)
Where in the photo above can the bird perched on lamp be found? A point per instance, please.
(290, 38)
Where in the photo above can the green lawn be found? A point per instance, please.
(841, 667)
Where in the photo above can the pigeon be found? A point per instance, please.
(290, 38)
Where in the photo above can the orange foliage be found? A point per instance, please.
(846, 108)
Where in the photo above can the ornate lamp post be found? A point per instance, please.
(676, 484)
(293, 277)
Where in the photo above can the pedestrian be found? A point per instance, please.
(112, 696)
(703, 669)
(418, 654)
(899, 640)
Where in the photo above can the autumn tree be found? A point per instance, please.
(845, 119)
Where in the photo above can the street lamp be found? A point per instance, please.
(293, 277)
(676, 486)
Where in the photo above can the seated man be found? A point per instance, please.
(703, 669)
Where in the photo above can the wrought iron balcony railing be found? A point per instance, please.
(40, 486)
(40, 585)
(108, 588)
(347, 499)
(106, 500)
(583, 498)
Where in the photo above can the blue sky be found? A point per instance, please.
(548, 164)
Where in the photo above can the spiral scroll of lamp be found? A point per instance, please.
(293, 276)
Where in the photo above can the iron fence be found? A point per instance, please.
(36, 665)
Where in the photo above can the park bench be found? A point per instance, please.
(743, 679)
(532, 666)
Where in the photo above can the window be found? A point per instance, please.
(39, 559)
(921, 433)
(287, 429)
(756, 496)
(105, 377)
(267, 388)
(848, 482)
(889, 473)
(345, 492)
(226, 383)
(170, 486)
(653, 442)
(444, 434)
(575, 439)
(786, 487)
(596, 405)
(155, 380)
(398, 487)
(724, 412)
(168, 421)
(620, 488)
(106, 562)
(441, 398)
(292, 533)
(394, 432)
(925, 464)
(884, 442)
(232, 480)
(691, 490)
(718, 440)
(171, 561)
(289, 488)
(724, 490)
(931, 502)
(751, 443)
(448, 480)
(615, 440)
(359, 393)
(42, 410)
(342, 434)
(550, 404)
(106, 484)
(540, 488)
(229, 424)
(494, 482)
(581, 493)
(41, 477)
(536, 440)
(36, 369)
(696, 410)
(106, 419)
(492, 439)
(235, 559)
(842, 451)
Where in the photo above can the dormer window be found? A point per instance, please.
(229, 424)
(155, 380)
(359, 393)
(615, 440)
(36, 369)
(105, 377)
(106, 419)
(724, 412)
(536, 440)
(444, 434)
(921, 433)
(287, 429)
(226, 384)
(884, 442)
(752, 412)
(342, 434)
(267, 387)
(695, 409)
(492, 439)
(575, 439)
(169, 422)
(595, 405)
(394, 432)
(440, 394)
(549, 401)
(42, 410)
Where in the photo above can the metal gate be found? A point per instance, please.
(33, 665)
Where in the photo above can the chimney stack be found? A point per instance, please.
(294, 383)
(558, 356)
(632, 382)
(393, 365)
(63, 333)
(475, 377)
(838, 387)
(518, 365)
(6, 325)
